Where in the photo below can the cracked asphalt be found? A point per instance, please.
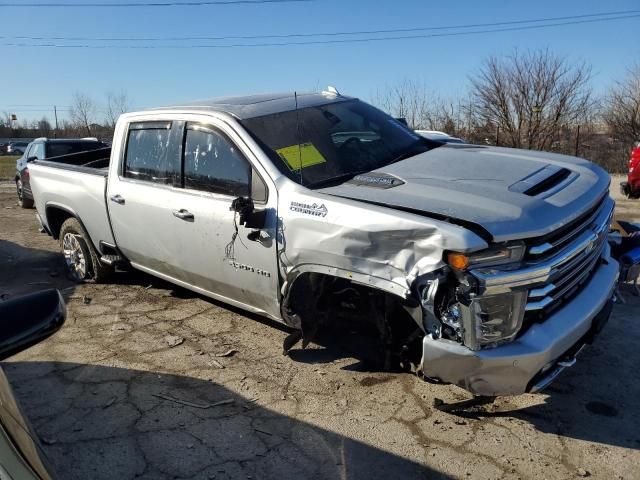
(132, 387)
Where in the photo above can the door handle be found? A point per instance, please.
(183, 214)
(119, 199)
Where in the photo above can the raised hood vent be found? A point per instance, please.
(541, 180)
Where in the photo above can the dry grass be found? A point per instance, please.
(8, 166)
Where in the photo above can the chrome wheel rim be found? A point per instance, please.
(19, 188)
(74, 256)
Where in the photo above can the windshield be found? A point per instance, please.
(316, 145)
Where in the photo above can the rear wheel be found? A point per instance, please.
(82, 261)
(24, 202)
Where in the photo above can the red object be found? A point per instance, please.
(634, 171)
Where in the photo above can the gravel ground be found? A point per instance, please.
(128, 389)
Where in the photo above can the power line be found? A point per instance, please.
(23, 110)
(605, 15)
(33, 105)
(192, 3)
(325, 42)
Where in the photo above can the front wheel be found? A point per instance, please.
(24, 202)
(82, 261)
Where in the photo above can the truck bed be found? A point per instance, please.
(81, 161)
(75, 183)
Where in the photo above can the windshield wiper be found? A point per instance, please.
(337, 180)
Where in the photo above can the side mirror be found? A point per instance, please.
(27, 320)
(249, 216)
(31, 159)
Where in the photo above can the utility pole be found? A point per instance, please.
(55, 114)
(577, 140)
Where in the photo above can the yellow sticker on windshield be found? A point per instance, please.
(301, 156)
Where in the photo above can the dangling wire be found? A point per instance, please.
(230, 249)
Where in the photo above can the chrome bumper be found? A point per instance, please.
(510, 369)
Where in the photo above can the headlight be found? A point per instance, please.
(492, 256)
(494, 319)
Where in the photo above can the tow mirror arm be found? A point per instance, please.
(249, 216)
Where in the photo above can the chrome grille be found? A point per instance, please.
(550, 244)
(583, 247)
(551, 275)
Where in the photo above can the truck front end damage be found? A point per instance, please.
(508, 320)
(494, 319)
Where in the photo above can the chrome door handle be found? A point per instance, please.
(183, 214)
(119, 199)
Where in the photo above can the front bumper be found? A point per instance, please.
(534, 359)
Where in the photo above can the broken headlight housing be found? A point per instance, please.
(487, 320)
(493, 319)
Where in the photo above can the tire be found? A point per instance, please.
(24, 202)
(82, 260)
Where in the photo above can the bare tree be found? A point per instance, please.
(622, 108)
(6, 119)
(83, 112)
(530, 96)
(410, 99)
(406, 99)
(117, 104)
(44, 127)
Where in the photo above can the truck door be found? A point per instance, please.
(179, 222)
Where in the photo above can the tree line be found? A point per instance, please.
(533, 100)
(86, 118)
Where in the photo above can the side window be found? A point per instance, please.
(149, 155)
(213, 163)
(37, 150)
(28, 150)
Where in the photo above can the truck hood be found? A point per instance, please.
(511, 194)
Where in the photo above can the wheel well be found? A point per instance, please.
(316, 301)
(55, 218)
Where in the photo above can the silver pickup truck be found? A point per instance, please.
(484, 267)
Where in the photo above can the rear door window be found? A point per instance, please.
(213, 163)
(149, 154)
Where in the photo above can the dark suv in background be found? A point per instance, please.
(42, 148)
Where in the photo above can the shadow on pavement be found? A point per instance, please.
(103, 423)
(596, 399)
(25, 270)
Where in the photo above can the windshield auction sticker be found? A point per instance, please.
(301, 156)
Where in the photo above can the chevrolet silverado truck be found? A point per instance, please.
(488, 268)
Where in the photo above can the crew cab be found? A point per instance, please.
(484, 267)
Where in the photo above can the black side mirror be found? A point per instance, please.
(27, 320)
(31, 159)
(248, 215)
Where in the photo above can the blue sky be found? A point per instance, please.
(47, 76)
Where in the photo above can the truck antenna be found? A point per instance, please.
(299, 139)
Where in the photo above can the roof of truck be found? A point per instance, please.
(251, 106)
